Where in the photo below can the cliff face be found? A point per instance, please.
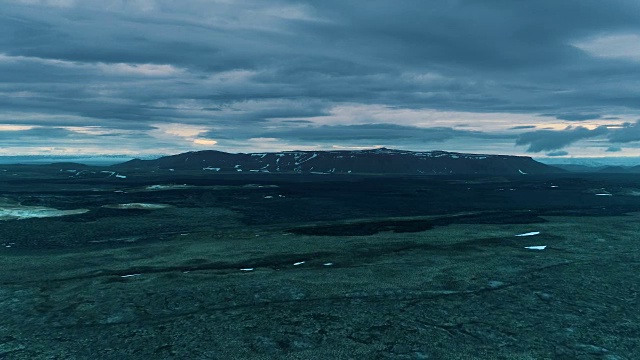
(376, 161)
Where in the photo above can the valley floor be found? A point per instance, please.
(345, 268)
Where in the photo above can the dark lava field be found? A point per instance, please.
(186, 265)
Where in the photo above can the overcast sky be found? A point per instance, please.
(544, 77)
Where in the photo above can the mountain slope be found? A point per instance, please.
(376, 161)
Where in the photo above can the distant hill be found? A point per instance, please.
(620, 170)
(375, 161)
(579, 168)
(600, 169)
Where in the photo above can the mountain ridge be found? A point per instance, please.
(370, 161)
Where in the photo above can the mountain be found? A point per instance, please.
(375, 161)
(579, 168)
(620, 170)
(614, 170)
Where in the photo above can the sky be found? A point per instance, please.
(544, 78)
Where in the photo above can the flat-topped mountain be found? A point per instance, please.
(375, 161)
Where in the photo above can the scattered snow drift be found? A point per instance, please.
(530, 233)
(536, 247)
(20, 212)
(137, 206)
(168, 187)
(130, 275)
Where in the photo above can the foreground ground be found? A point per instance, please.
(295, 267)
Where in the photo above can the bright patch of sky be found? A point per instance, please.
(614, 46)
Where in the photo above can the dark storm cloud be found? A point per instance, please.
(38, 136)
(22, 135)
(298, 121)
(578, 117)
(60, 139)
(629, 132)
(558, 153)
(244, 65)
(377, 132)
(548, 140)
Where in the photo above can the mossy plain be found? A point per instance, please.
(342, 267)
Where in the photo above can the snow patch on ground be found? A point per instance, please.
(20, 212)
(536, 247)
(530, 233)
(167, 187)
(130, 275)
(137, 206)
(305, 160)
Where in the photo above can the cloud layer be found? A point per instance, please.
(281, 74)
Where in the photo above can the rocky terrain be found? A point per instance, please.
(190, 265)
